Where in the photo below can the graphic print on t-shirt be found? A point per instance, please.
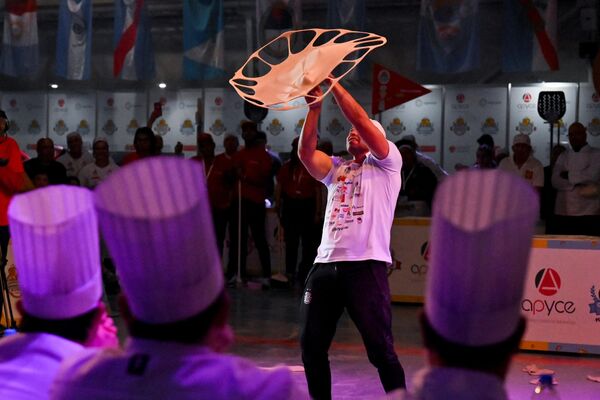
(347, 203)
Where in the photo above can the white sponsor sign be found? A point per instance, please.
(119, 116)
(223, 115)
(469, 113)
(28, 113)
(72, 112)
(282, 127)
(589, 112)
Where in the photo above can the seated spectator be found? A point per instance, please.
(429, 162)
(75, 158)
(472, 322)
(55, 243)
(45, 163)
(484, 158)
(523, 163)
(175, 304)
(103, 165)
(418, 182)
(144, 143)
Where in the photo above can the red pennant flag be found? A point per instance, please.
(391, 89)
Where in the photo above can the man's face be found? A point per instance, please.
(577, 136)
(521, 151)
(231, 145)
(142, 143)
(2, 125)
(101, 152)
(75, 145)
(354, 144)
(45, 150)
(205, 144)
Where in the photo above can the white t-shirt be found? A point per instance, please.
(91, 175)
(532, 170)
(360, 208)
(75, 166)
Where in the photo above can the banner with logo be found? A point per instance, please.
(562, 296)
(180, 109)
(589, 112)
(333, 125)
(282, 127)
(524, 117)
(27, 112)
(119, 116)
(410, 259)
(223, 115)
(470, 112)
(14, 291)
(421, 118)
(72, 112)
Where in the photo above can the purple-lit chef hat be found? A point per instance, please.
(483, 222)
(378, 126)
(155, 217)
(56, 248)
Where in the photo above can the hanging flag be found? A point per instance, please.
(20, 49)
(347, 14)
(529, 36)
(74, 39)
(275, 17)
(134, 54)
(203, 42)
(391, 89)
(448, 36)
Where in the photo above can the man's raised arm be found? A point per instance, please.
(316, 162)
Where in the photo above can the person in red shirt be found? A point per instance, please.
(12, 181)
(296, 200)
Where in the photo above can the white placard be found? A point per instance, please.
(28, 113)
(282, 127)
(223, 114)
(589, 113)
(421, 117)
(119, 116)
(524, 117)
(468, 113)
(72, 112)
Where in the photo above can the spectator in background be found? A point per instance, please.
(231, 145)
(472, 323)
(523, 163)
(576, 177)
(418, 182)
(296, 197)
(548, 197)
(144, 143)
(429, 162)
(261, 140)
(103, 165)
(75, 158)
(158, 145)
(57, 260)
(484, 158)
(176, 307)
(45, 163)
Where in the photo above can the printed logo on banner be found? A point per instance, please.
(334, 127)
(13, 104)
(459, 126)
(595, 97)
(548, 283)
(217, 128)
(61, 103)
(459, 149)
(425, 127)
(396, 127)
(526, 126)
(60, 127)
(187, 128)
(132, 126)
(83, 128)
(14, 128)
(109, 127)
(275, 128)
(425, 251)
(489, 126)
(162, 128)
(595, 306)
(527, 97)
(460, 98)
(298, 127)
(218, 101)
(593, 127)
(34, 127)
(111, 102)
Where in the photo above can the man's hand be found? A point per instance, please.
(313, 94)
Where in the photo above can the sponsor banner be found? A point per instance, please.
(119, 116)
(421, 118)
(410, 258)
(180, 110)
(14, 292)
(562, 295)
(524, 117)
(333, 124)
(469, 113)
(589, 113)
(72, 112)
(282, 127)
(27, 112)
(223, 115)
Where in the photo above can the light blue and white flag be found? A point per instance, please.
(20, 48)
(74, 39)
(203, 41)
(448, 36)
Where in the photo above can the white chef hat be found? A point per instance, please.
(481, 231)
(155, 219)
(56, 248)
(378, 126)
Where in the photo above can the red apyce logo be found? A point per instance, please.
(526, 97)
(460, 98)
(547, 281)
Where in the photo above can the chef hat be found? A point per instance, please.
(483, 222)
(378, 126)
(56, 248)
(155, 219)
